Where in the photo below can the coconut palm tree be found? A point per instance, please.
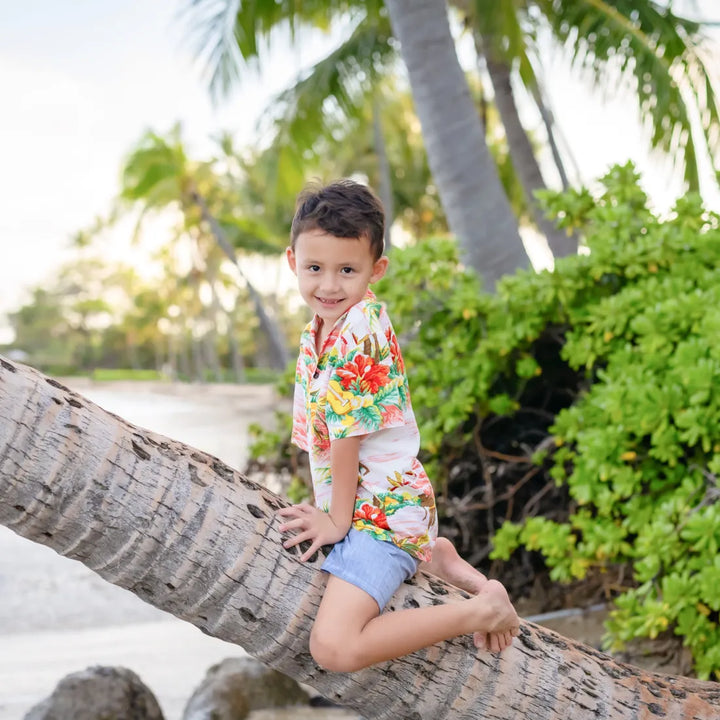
(157, 175)
(468, 183)
(657, 53)
(192, 536)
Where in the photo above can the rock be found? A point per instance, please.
(98, 693)
(237, 686)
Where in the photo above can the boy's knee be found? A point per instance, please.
(331, 650)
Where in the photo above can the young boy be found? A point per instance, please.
(352, 414)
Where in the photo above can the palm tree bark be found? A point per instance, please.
(472, 195)
(190, 535)
(384, 174)
(549, 123)
(279, 352)
(522, 154)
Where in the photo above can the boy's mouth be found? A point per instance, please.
(329, 301)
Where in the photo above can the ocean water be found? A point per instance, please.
(58, 617)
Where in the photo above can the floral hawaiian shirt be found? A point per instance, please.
(357, 386)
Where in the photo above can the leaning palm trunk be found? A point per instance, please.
(190, 535)
(522, 154)
(467, 180)
(279, 355)
(384, 173)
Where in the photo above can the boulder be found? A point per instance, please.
(236, 686)
(98, 693)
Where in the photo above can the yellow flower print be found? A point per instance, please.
(341, 401)
(344, 402)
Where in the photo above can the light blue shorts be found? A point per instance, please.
(375, 566)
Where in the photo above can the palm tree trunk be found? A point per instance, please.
(188, 534)
(384, 175)
(278, 348)
(549, 123)
(521, 152)
(472, 195)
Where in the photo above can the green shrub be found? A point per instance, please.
(629, 333)
(572, 420)
(640, 450)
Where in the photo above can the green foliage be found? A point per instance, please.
(114, 374)
(272, 453)
(638, 446)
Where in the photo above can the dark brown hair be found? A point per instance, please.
(345, 209)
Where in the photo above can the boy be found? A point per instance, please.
(352, 413)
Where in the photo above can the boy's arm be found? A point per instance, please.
(345, 467)
(325, 528)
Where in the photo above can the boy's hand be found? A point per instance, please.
(311, 524)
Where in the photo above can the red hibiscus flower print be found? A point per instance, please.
(391, 415)
(374, 515)
(364, 371)
(395, 350)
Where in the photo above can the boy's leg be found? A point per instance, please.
(350, 634)
(449, 566)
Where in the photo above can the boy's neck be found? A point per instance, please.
(321, 333)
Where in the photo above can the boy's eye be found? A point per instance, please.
(313, 268)
(347, 271)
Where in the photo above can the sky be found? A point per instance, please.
(81, 80)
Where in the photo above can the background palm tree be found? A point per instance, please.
(158, 175)
(468, 183)
(644, 45)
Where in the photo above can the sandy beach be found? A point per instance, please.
(58, 617)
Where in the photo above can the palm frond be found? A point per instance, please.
(227, 35)
(335, 91)
(661, 53)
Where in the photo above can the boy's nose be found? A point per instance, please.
(329, 283)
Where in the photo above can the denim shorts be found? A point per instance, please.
(375, 566)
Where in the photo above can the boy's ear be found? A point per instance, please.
(379, 268)
(290, 255)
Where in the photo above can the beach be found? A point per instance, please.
(58, 617)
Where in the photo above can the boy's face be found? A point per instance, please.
(333, 273)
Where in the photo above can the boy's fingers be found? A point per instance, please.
(297, 523)
(311, 551)
(297, 539)
(298, 509)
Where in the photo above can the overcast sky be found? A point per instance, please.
(81, 80)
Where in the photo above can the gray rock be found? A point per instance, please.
(236, 686)
(99, 693)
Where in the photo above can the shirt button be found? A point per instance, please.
(316, 374)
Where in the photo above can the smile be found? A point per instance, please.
(328, 301)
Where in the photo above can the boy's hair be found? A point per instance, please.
(345, 209)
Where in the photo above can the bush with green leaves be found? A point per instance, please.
(628, 332)
(571, 420)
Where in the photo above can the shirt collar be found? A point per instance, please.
(312, 328)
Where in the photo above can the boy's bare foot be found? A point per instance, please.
(448, 565)
(498, 618)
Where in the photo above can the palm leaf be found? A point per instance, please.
(333, 96)
(227, 34)
(662, 54)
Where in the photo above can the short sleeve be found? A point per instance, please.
(299, 435)
(367, 390)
